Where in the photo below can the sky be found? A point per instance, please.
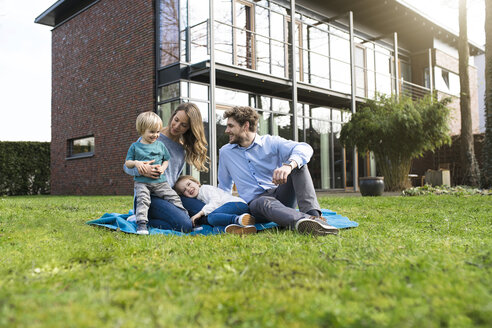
(25, 61)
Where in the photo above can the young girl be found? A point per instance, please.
(222, 208)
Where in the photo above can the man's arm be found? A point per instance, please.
(225, 179)
(300, 152)
(293, 155)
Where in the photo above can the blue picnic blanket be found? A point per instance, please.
(118, 222)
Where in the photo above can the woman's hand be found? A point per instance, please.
(195, 217)
(148, 170)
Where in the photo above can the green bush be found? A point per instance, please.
(396, 131)
(445, 190)
(24, 168)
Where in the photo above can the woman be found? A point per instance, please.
(184, 138)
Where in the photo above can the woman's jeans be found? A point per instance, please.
(164, 215)
(227, 213)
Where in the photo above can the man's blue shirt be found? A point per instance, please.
(251, 168)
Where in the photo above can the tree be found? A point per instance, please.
(469, 164)
(396, 131)
(487, 150)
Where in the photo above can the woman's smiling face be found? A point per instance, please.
(180, 123)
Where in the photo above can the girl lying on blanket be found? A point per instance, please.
(221, 208)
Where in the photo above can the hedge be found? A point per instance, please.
(24, 168)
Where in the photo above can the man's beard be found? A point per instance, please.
(236, 140)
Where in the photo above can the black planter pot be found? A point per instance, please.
(371, 186)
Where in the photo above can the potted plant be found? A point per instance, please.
(397, 130)
(371, 186)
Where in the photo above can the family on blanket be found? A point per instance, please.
(269, 172)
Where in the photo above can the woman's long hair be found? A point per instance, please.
(194, 140)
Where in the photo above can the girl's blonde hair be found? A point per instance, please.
(194, 140)
(184, 177)
(148, 120)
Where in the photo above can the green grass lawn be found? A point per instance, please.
(413, 262)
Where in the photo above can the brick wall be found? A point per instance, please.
(103, 63)
(451, 64)
(448, 157)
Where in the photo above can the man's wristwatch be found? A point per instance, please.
(292, 164)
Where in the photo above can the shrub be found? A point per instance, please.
(24, 168)
(445, 190)
(397, 130)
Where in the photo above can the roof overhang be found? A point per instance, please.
(415, 29)
(62, 10)
(384, 16)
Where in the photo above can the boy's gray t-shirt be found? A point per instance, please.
(176, 162)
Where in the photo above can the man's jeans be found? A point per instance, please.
(278, 204)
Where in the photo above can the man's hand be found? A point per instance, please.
(281, 174)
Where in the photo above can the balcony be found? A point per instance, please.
(258, 62)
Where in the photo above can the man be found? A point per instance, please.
(270, 173)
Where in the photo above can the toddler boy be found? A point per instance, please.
(147, 148)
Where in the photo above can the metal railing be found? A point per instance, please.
(270, 56)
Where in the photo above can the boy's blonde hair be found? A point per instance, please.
(184, 177)
(148, 120)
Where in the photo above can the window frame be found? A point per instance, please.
(70, 146)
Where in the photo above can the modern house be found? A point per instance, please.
(113, 59)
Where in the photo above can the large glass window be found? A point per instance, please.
(262, 25)
(371, 71)
(231, 97)
(318, 136)
(243, 36)
(383, 70)
(168, 100)
(316, 66)
(167, 92)
(360, 72)
(198, 29)
(340, 60)
(168, 32)
(165, 111)
(278, 49)
(223, 32)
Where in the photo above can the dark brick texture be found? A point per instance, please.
(103, 73)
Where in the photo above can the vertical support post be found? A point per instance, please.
(158, 54)
(396, 66)
(353, 90)
(212, 145)
(294, 67)
(431, 74)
